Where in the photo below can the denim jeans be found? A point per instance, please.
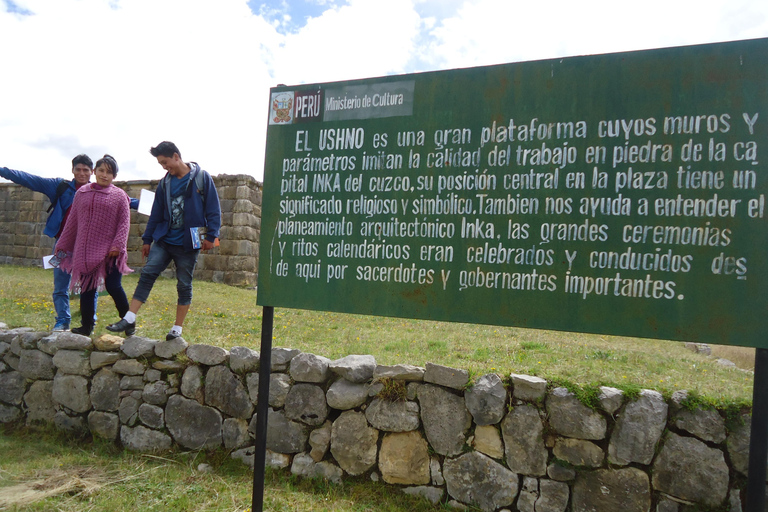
(113, 282)
(160, 256)
(61, 282)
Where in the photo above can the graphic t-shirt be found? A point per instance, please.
(175, 234)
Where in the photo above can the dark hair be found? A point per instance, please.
(166, 149)
(82, 159)
(110, 162)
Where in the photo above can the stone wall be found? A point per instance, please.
(23, 214)
(512, 443)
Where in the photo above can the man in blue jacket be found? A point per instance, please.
(61, 194)
(185, 218)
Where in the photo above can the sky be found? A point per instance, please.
(120, 76)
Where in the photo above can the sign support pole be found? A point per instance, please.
(758, 440)
(262, 409)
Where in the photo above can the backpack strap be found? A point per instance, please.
(60, 189)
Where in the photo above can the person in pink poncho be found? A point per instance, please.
(93, 246)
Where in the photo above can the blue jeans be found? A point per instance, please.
(61, 282)
(160, 256)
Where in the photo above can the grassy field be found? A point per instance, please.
(42, 470)
(225, 316)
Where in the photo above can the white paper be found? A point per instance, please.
(47, 261)
(146, 199)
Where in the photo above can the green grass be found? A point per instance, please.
(226, 316)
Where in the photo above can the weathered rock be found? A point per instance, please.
(192, 425)
(153, 375)
(12, 387)
(738, 444)
(28, 340)
(129, 367)
(128, 411)
(192, 383)
(152, 416)
(310, 368)
(104, 424)
(553, 496)
(608, 490)
(132, 383)
(11, 360)
(528, 387)
(666, 505)
(445, 418)
(404, 459)
(354, 443)
(234, 433)
(108, 343)
(156, 393)
(354, 368)
(36, 365)
(570, 418)
(579, 452)
(73, 362)
(638, 429)
(135, 347)
(71, 391)
(105, 390)
(283, 435)
(488, 441)
(279, 386)
(168, 349)
(688, 469)
(436, 472)
(344, 395)
(272, 459)
(453, 378)
(102, 359)
(207, 355)
(281, 358)
(610, 399)
(168, 366)
(144, 440)
(431, 494)
(406, 372)
(320, 441)
(478, 480)
(523, 434)
(9, 413)
(560, 473)
(71, 341)
(303, 465)
(39, 401)
(306, 403)
(74, 424)
(393, 416)
(243, 360)
(486, 400)
(706, 424)
(224, 391)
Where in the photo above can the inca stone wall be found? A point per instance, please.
(23, 214)
(500, 444)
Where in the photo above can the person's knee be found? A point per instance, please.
(185, 294)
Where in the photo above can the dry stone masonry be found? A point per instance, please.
(235, 262)
(497, 443)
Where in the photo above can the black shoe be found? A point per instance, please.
(172, 336)
(83, 331)
(121, 326)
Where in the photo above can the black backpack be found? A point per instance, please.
(60, 189)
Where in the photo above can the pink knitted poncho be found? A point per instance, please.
(98, 222)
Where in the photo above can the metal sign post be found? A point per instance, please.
(262, 409)
(758, 441)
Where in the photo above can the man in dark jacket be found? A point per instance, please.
(185, 218)
(61, 193)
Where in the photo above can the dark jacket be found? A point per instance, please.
(201, 209)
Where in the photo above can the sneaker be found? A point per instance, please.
(172, 336)
(83, 331)
(123, 326)
(60, 327)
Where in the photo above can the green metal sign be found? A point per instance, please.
(619, 194)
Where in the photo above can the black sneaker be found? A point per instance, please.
(83, 331)
(172, 336)
(123, 326)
